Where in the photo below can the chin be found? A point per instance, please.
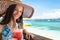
(16, 18)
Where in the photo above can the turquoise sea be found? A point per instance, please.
(45, 28)
(44, 25)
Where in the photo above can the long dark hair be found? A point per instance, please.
(9, 15)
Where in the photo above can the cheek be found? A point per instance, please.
(17, 15)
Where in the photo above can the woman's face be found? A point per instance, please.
(17, 12)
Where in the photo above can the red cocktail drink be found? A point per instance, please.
(17, 34)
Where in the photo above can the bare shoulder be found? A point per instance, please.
(1, 28)
(0, 32)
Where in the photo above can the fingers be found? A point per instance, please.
(28, 37)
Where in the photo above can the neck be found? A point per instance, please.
(12, 23)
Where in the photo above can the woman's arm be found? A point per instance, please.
(0, 32)
(27, 35)
(0, 36)
(1, 28)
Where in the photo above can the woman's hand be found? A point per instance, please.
(27, 35)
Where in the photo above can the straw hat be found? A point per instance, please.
(4, 4)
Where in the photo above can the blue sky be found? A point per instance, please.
(44, 9)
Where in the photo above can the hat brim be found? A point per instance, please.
(28, 10)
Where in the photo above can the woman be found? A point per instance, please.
(12, 17)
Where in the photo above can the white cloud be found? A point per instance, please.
(49, 15)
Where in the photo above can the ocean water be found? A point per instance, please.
(44, 25)
(49, 29)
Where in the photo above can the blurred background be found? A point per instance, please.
(46, 18)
